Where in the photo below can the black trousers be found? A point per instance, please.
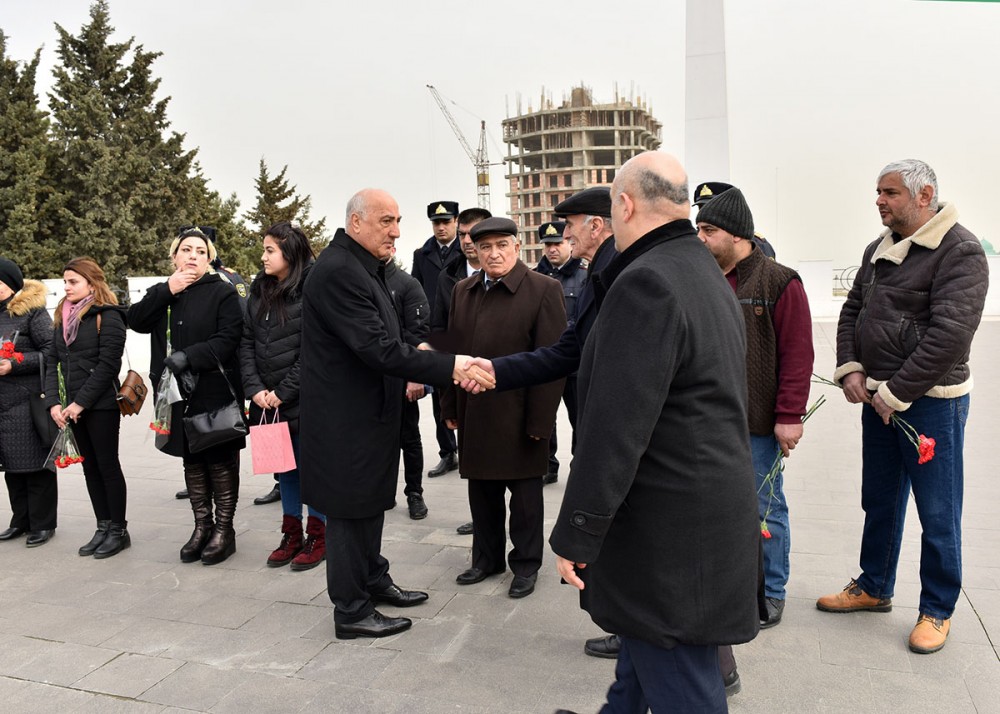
(34, 496)
(413, 448)
(445, 436)
(569, 399)
(487, 501)
(97, 435)
(355, 567)
(650, 678)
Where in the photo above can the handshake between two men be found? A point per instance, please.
(473, 374)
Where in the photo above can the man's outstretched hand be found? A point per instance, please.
(468, 372)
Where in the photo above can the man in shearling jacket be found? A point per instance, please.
(903, 346)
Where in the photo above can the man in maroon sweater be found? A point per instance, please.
(779, 369)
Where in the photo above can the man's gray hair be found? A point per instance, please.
(358, 204)
(652, 187)
(915, 174)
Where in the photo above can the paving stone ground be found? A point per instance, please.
(142, 632)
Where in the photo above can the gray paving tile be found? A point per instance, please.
(103, 704)
(195, 686)
(151, 636)
(218, 646)
(342, 664)
(63, 663)
(920, 693)
(340, 697)
(286, 619)
(265, 694)
(128, 675)
(39, 698)
(283, 658)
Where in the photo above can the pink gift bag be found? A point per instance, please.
(271, 446)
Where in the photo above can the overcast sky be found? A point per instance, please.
(821, 95)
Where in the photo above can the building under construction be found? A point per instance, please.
(557, 151)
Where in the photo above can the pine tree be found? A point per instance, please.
(25, 163)
(125, 182)
(271, 207)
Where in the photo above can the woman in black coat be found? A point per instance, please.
(32, 488)
(194, 321)
(87, 350)
(269, 361)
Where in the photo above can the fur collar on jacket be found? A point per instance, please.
(928, 236)
(28, 298)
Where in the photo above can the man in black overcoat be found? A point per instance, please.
(658, 526)
(354, 364)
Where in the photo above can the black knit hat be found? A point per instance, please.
(730, 212)
(10, 274)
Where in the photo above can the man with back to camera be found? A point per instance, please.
(439, 252)
(903, 344)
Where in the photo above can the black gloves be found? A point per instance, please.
(177, 362)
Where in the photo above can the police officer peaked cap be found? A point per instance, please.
(730, 212)
(705, 192)
(493, 227)
(551, 232)
(594, 201)
(442, 209)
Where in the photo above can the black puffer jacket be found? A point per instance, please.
(91, 364)
(909, 319)
(269, 353)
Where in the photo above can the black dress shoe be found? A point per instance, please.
(522, 585)
(375, 625)
(464, 529)
(550, 478)
(475, 575)
(394, 595)
(12, 533)
(775, 608)
(37, 538)
(271, 496)
(181, 495)
(606, 647)
(732, 683)
(449, 462)
(418, 509)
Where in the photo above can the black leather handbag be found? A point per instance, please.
(211, 428)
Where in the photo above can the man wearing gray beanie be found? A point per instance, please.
(779, 369)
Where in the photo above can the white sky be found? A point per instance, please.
(821, 95)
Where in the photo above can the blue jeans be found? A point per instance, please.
(888, 473)
(291, 489)
(763, 449)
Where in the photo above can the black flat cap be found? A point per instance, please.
(594, 201)
(705, 192)
(551, 232)
(493, 227)
(442, 209)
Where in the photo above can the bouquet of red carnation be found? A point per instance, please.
(7, 350)
(923, 444)
(64, 451)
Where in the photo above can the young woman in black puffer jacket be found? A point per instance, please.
(269, 362)
(86, 347)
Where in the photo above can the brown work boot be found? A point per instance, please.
(853, 599)
(929, 634)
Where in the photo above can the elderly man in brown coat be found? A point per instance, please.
(503, 437)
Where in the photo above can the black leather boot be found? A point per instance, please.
(199, 490)
(99, 535)
(115, 542)
(226, 488)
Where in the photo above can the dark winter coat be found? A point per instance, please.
(910, 316)
(563, 358)
(21, 450)
(269, 354)
(572, 275)
(411, 304)
(90, 365)
(660, 502)
(428, 264)
(522, 312)
(206, 322)
(447, 280)
(354, 367)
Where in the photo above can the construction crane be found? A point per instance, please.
(478, 158)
